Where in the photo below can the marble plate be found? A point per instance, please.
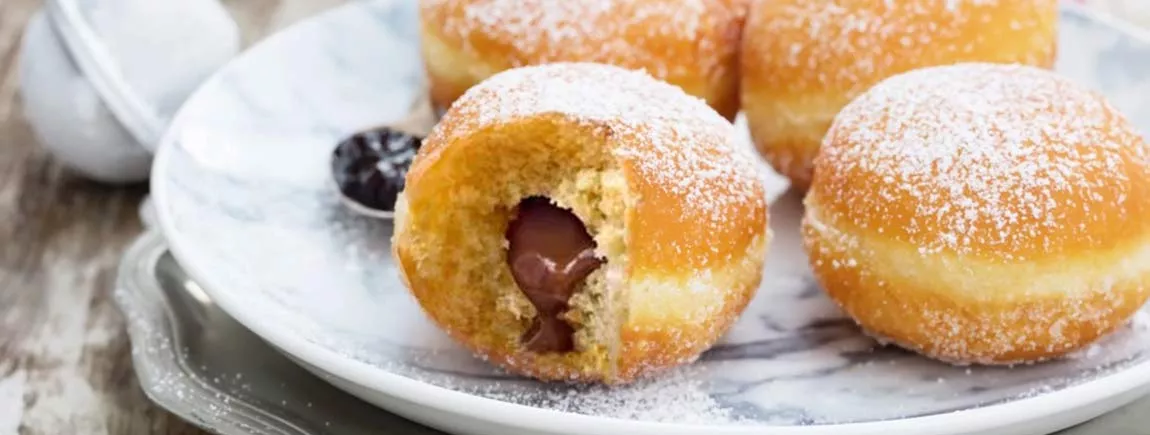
(199, 363)
(243, 197)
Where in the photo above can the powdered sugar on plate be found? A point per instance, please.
(670, 398)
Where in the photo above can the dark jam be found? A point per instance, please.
(550, 253)
(369, 167)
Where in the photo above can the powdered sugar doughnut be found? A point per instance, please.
(689, 43)
(982, 213)
(803, 60)
(674, 214)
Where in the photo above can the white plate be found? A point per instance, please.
(242, 191)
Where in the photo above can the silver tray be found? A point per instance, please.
(198, 363)
(195, 361)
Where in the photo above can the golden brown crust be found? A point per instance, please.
(647, 345)
(802, 61)
(701, 204)
(692, 44)
(695, 223)
(982, 213)
(651, 343)
(949, 158)
(921, 309)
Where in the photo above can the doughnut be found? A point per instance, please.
(803, 60)
(690, 43)
(982, 214)
(582, 222)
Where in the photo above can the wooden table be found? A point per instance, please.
(65, 363)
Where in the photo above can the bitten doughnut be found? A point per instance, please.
(582, 222)
(982, 213)
(689, 43)
(803, 60)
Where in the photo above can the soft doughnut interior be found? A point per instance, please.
(478, 185)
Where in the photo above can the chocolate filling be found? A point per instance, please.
(550, 253)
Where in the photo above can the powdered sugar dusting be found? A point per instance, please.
(675, 142)
(977, 158)
(591, 92)
(852, 44)
(670, 398)
(633, 34)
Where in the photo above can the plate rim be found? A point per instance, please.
(543, 420)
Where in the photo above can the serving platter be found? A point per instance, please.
(243, 198)
(199, 363)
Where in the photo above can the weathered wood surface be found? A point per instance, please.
(65, 364)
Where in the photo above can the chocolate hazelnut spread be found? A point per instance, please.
(550, 253)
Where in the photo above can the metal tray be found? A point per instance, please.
(198, 363)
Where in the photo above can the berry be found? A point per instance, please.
(369, 167)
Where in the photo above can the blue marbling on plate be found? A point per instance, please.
(246, 194)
